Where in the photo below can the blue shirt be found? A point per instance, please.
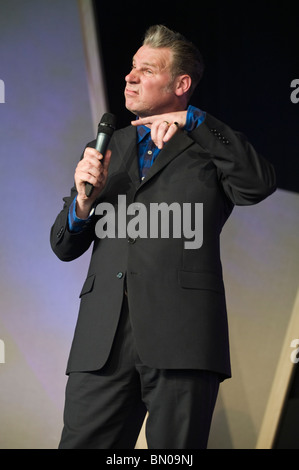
(147, 150)
(147, 154)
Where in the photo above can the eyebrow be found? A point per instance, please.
(147, 64)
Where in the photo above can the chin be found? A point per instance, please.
(130, 108)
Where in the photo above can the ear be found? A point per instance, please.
(183, 83)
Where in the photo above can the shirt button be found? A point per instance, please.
(149, 152)
(119, 275)
(131, 240)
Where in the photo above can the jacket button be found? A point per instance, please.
(119, 275)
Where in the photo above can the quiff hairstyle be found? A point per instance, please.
(186, 58)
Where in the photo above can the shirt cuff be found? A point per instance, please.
(195, 117)
(75, 223)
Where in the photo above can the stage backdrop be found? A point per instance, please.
(46, 118)
(45, 122)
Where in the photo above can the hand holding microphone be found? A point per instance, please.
(105, 130)
(91, 172)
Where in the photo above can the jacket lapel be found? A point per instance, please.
(177, 144)
(127, 148)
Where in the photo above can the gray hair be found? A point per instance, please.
(186, 57)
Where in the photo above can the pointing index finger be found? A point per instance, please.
(142, 122)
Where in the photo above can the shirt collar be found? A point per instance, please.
(142, 131)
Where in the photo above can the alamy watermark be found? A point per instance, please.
(2, 91)
(295, 93)
(2, 352)
(159, 220)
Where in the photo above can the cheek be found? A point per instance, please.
(152, 91)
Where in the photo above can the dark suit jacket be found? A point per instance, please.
(176, 295)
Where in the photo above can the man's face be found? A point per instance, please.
(149, 85)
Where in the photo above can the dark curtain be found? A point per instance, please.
(251, 55)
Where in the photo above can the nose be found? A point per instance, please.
(132, 76)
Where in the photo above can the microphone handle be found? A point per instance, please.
(101, 146)
(88, 189)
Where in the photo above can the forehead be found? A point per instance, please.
(156, 57)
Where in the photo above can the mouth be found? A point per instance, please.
(130, 92)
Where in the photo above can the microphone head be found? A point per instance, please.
(107, 124)
(108, 119)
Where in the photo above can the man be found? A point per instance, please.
(152, 328)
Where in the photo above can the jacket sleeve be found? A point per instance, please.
(69, 245)
(246, 177)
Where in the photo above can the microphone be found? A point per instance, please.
(106, 128)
